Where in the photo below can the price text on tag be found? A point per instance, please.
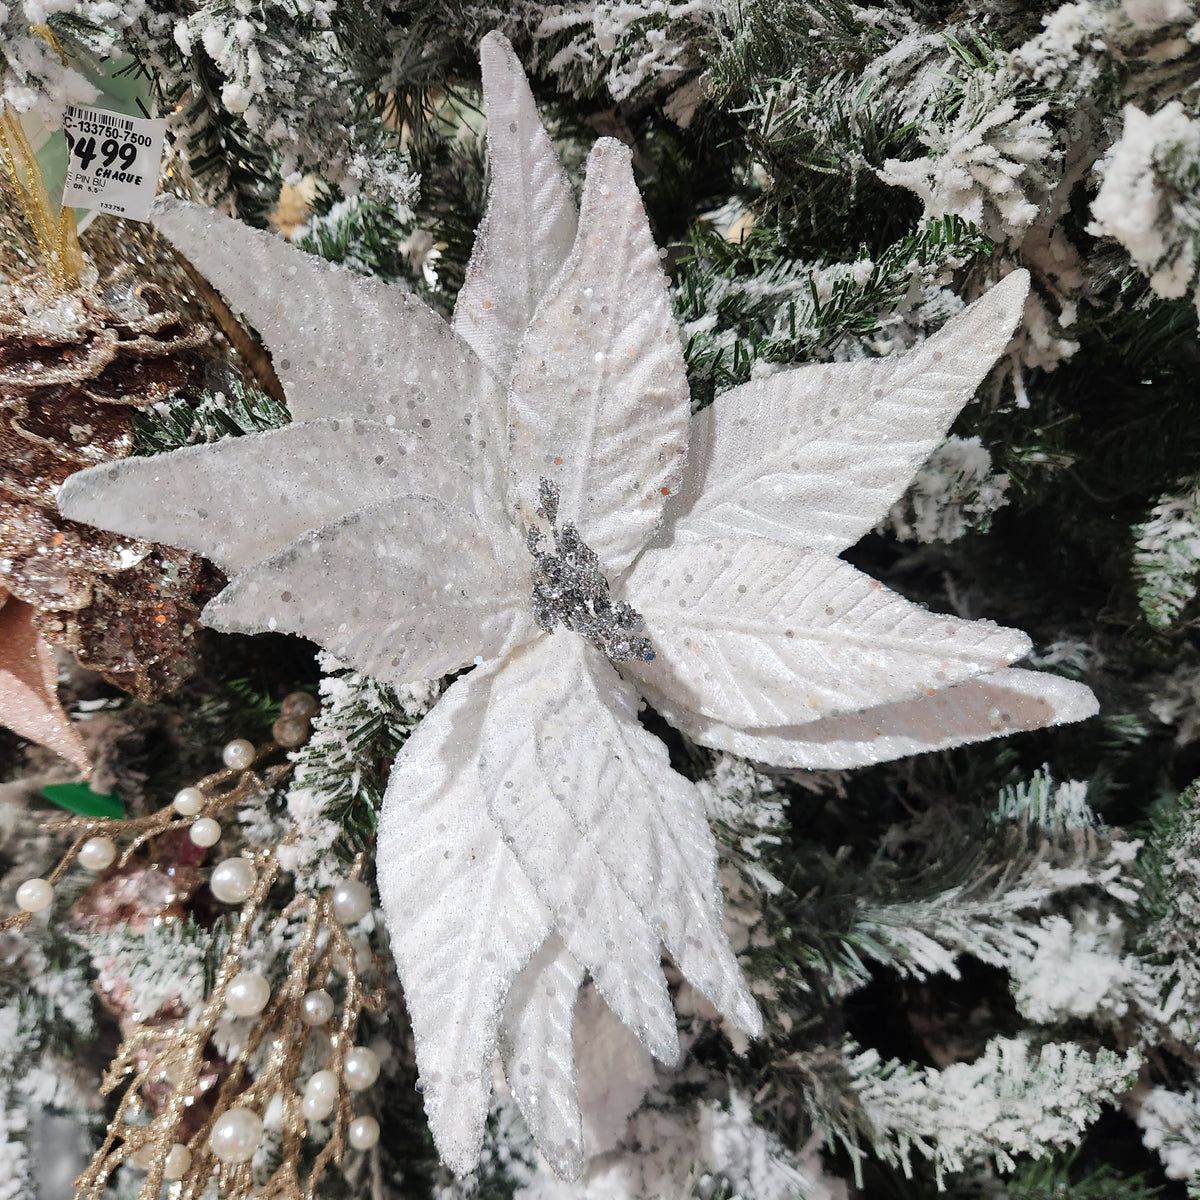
(113, 161)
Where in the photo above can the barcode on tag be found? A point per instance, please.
(113, 161)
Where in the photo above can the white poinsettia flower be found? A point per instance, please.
(524, 490)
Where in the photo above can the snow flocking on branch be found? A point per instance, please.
(523, 491)
(1014, 1099)
(993, 162)
(954, 491)
(1166, 556)
(1146, 199)
(1170, 1124)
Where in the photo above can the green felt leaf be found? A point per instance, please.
(79, 798)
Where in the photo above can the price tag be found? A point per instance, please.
(112, 162)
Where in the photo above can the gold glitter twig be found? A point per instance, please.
(219, 796)
(310, 965)
(53, 225)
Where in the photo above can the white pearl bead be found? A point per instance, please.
(97, 853)
(322, 1083)
(317, 1007)
(142, 1157)
(351, 901)
(320, 1096)
(315, 1108)
(361, 1068)
(247, 994)
(363, 1133)
(233, 880)
(34, 895)
(235, 1135)
(179, 1161)
(205, 832)
(188, 801)
(382, 1049)
(238, 754)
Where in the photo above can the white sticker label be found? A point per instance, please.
(112, 161)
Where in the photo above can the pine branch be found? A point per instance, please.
(984, 884)
(341, 773)
(171, 424)
(1166, 558)
(1016, 1099)
(254, 100)
(763, 40)
(1169, 934)
(749, 302)
(1062, 1179)
(365, 236)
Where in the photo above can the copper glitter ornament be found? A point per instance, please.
(76, 365)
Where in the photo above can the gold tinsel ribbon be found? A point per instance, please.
(53, 225)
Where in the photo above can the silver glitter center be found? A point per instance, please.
(570, 589)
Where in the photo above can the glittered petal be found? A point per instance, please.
(599, 923)
(240, 500)
(816, 455)
(345, 345)
(29, 703)
(462, 917)
(752, 633)
(647, 822)
(539, 1055)
(1005, 702)
(406, 590)
(529, 226)
(600, 400)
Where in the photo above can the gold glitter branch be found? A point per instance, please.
(178, 1055)
(185, 1113)
(222, 790)
(53, 225)
(181, 1061)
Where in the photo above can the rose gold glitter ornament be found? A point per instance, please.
(76, 366)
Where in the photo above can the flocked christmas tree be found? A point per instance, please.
(625, 790)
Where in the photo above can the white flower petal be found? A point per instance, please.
(815, 455)
(406, 590)
(529, 226)
(463, 919)
(601, 926)
(614, 781)
(752, 633)
(1005, 702)
(240, 500)
(344, 344)
(599, 404)
(539, 1054)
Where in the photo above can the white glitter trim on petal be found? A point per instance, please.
(346, 345)
(406, 590)
(539, 1054)
(529, 225)
(599, 923)
(1006, 702)
(815, 455)
(599, 405)
(241, 500)
(753, 633)
(463, 919)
